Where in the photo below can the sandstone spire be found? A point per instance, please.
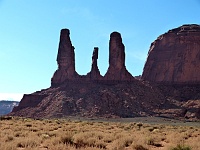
(65, 59)
(94, 74)
(117, 69)
(175, 56)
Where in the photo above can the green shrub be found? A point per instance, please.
(181, 147)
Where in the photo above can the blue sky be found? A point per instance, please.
(29, 35)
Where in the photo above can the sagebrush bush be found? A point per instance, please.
(67, 138)
(181, 147)
(139, 147)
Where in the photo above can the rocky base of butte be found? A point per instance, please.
(169, 86)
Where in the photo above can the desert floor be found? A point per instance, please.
(145, 133)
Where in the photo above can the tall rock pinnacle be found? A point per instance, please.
(65, 59)
(94, 74)
(174, 57)
(66, 62)
(117, 69)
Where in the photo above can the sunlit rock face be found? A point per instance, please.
(174, 57)
(117, 69)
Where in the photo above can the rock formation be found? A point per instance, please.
(30, 100)
(94, 74)
(175, 57)
(66, 62)
(65, 59)
(117, 69)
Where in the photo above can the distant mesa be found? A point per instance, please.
(66, 62)
(6, 106)
(174, 57)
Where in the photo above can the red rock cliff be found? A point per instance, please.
(117, 69)
(174, 57)
(94, 74)
(65, 59)
(66, 62)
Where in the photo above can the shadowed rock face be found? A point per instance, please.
(175, 56)
(117, 69)
(65, 59)
(94, 74)
(66, 63)
(29, 100)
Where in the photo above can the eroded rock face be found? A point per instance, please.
(94, 74)
(29, 100)
(175, 56)
(65, 59)
(117, 69)
(66, 62)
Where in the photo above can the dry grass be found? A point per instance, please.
(29, 134)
